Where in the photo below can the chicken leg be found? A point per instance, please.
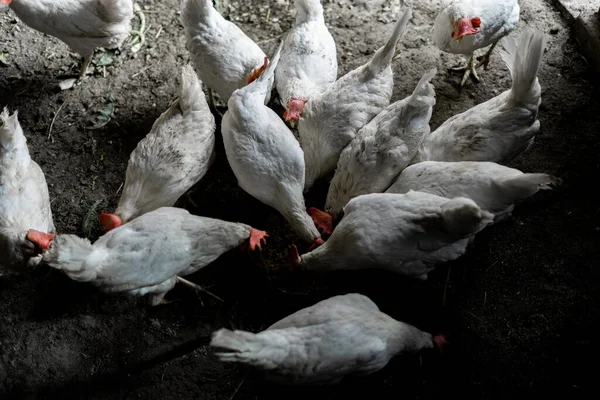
(198, 288)
(469, 69)
(485, 59)
(86, 63)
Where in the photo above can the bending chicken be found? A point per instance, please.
(82, 24)
(503, 127)
(331, 120)
(308, 64)
(495, 188)
(26, 225)
(405, 233)
(322, 344)
(379, 151)
(265, 156)
(463, 26)
(150, 253)
(225, 58)
(172, 158)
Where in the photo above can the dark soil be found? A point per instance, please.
(519, 306)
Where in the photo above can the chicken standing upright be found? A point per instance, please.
(463, 26)
(83, 25)
(173, 157)
(322, 344)
(379, 151)
(404, 233)
(265, 156)
(149, 254)
(308, 64)
(26, 225)
(331, 119)
(225, 58)
(503, 127)
(495, 188)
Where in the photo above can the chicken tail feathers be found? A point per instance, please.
(240, 347)
(266, 76)
(11, 133)
(526, 185)
(308, 10)
(523, 57)
(194, 11)
(68, 254)
(383, 56)
(424, 92)
(462, 217)
(191, 96)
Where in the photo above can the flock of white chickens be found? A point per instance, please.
(401, 198)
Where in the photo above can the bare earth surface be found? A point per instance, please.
(519, 306)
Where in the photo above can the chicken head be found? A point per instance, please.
(440, 341)
(110, 221)
(464, 27)
(293, 109)
(7, 2)
(41, 240)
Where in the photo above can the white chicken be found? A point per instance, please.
(265, 156)
(463, 26)
(341, 336)
(225, 58)
(405, 233)
(172, 158)
(331, 120)
(308, 64)
(379, 151)
(26, 226)
(83, 25)
(149, 254)
(503, 127)
(495, 188)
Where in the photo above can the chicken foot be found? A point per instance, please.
(469, 69)
(198, 288)
(84, 67)
(485, 59)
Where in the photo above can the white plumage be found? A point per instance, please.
(383, 148)
(223, 55)
(146, 255)
(331, 120)
(463, 26)
(405, 233)
(495, 188)
(308, 64)
(342, 336)
(24, 199)
(174, 156)
(503, 127)
(82, 24)
(264, 154)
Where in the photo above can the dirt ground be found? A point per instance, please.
(520, 305)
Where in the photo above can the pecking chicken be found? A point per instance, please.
(173, 157)
(503, 127)
(225, 58)
(331, 120)
(149, 254)
(26, 225)
(265, 156)
(379, 151)
(308, 64)
(82, 24)
(405, 233)
(463, 26)
(322, 344)
(495, 188)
